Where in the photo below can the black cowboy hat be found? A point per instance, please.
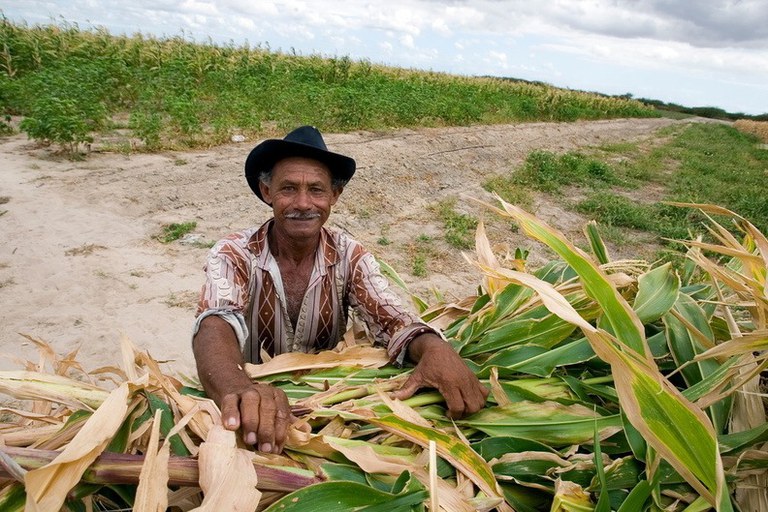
(304, 141)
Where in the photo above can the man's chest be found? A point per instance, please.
(295, 282)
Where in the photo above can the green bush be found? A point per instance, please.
(64, 104)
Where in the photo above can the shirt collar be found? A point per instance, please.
(326, 256)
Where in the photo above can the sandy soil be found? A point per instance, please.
(80, 267)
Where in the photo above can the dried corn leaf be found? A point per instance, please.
(152, 491)
(486, 258)
(25, 385)
(47, 487)
(360, 355)
(227, 476)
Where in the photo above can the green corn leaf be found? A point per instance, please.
(637, 497)
(167, 423)
(550, 423)
(539, 361)
(343, 473)
(596, 243)
(685, 325)
(546, 332)
(496, 446)
(529, 467)
(739, 441)
(621, 474)
(13, 497)
(676, 429)
(657, 292)
(603, 502)
(351, 496)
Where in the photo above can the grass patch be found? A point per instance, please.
(172, 232)
(548, 172)
(459, 227)
(419, 265)
(718, 164)
(618, 211)
(701, 163)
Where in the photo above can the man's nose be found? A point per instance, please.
(303, 200)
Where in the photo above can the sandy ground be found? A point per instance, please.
(80, 267)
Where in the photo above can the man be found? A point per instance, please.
(287, 286)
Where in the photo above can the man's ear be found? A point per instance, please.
(265, 192)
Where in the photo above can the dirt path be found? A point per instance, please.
(79, 266)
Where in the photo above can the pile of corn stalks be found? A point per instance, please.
(615, 386)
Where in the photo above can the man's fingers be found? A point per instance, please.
(454, 401)
(282, 420)
(250, 415)
(230, 411)
(409, 388)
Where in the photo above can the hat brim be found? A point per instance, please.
(263, 157)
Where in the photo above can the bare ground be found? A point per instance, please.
(80, 267)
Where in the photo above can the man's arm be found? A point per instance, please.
(261, 410)
(440, 367)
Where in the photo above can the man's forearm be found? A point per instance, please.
(220, 363)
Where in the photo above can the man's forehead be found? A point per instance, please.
(293, 167)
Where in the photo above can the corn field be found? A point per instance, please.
(757, 128)
(70, 84)
(615, 385)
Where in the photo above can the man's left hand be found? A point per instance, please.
(440, 367)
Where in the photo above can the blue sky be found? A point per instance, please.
(694, 53)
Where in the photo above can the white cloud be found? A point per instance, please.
(407, 41)
(498, 60)
(197, 7)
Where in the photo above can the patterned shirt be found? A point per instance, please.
(244, 287)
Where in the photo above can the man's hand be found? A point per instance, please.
(440, 367)
(263, 413)
(260, 410)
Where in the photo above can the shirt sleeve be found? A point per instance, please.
(225, 292)
(390, 323)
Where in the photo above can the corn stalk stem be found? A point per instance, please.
(120, 468)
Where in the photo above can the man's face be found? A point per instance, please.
(301, 196)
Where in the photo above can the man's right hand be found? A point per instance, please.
(262, 412)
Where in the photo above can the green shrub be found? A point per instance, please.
(64, 104)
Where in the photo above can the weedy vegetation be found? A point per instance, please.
(696, 163)
(459, 227)
(174, 231)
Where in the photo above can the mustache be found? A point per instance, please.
(302, 215)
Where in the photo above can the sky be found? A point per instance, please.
(691, 52)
